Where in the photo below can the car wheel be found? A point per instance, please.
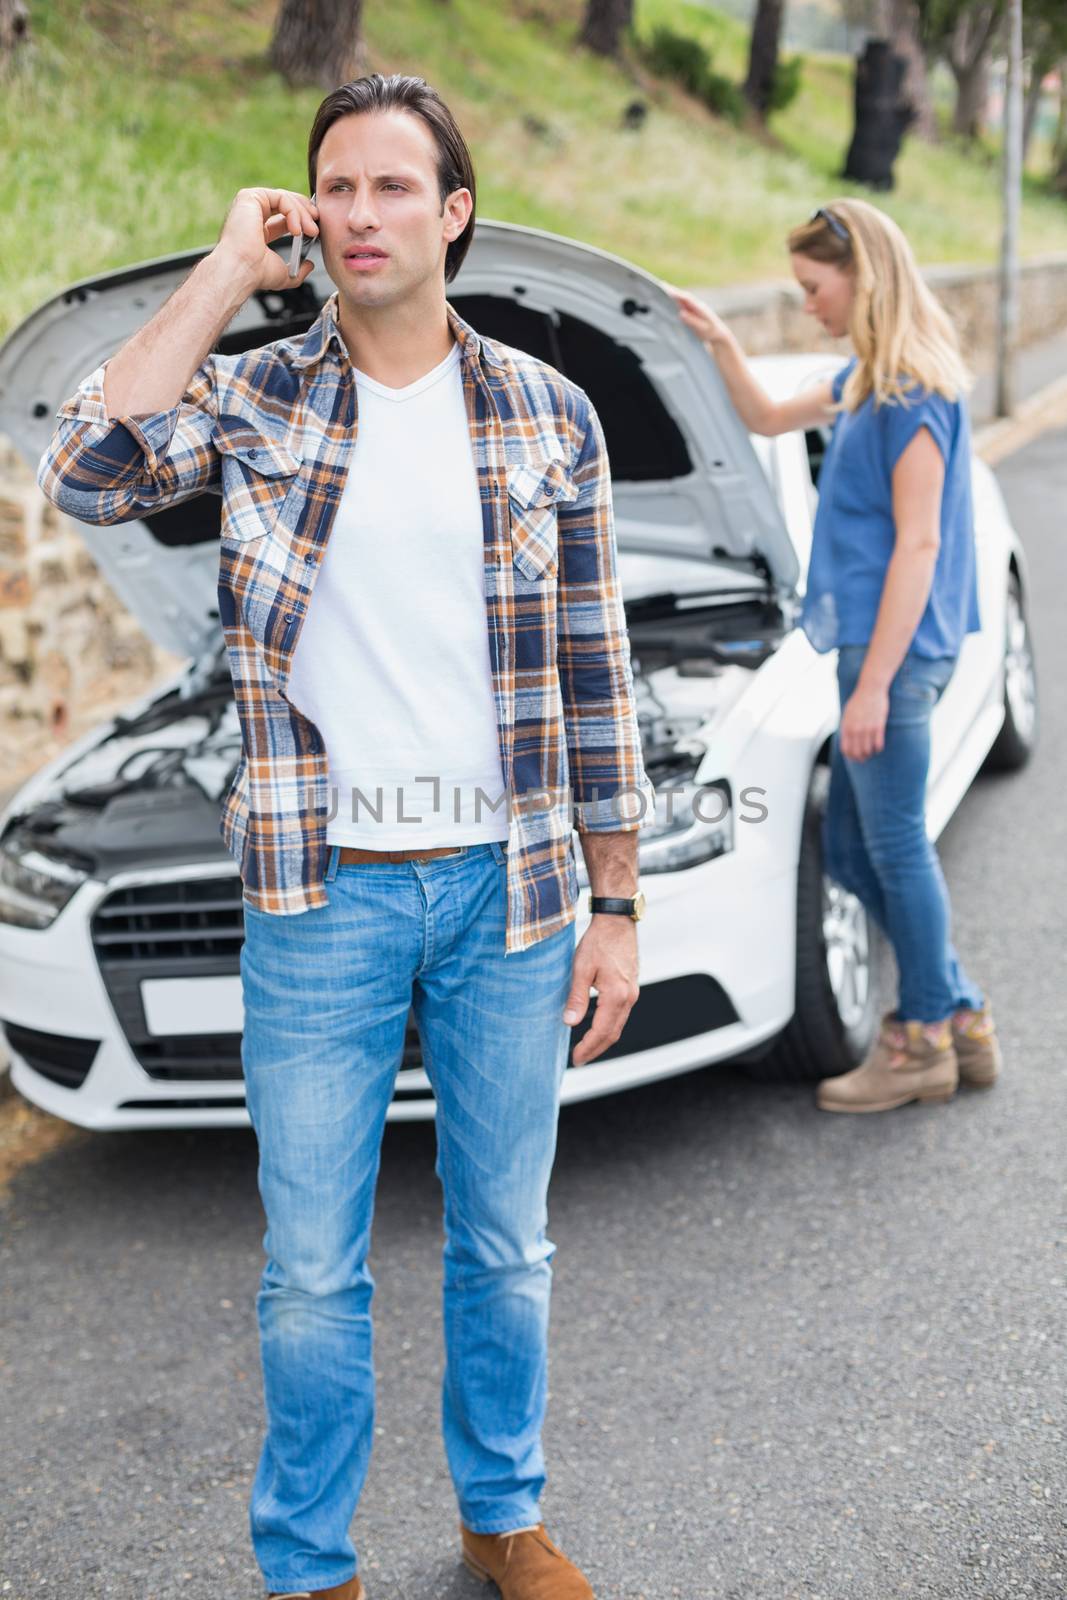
(837, 958)
(1017, 738)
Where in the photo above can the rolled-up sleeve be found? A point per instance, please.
(103, 469)
(610, 789)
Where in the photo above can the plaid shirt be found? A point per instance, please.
(271, 431)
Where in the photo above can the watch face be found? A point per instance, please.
(639, 906)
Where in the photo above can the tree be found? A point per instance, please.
(1045, 43)
(319, 42)
(958, 32)
(968, 56)
(606, 24)
(763, 56)
(882, 115)
(962, 33)
(14, 32)
(1059, 156)
(1040, 67)
(903, 30)
(901, 23)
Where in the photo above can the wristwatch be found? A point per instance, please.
(635, 908)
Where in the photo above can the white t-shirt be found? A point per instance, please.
(392, 663)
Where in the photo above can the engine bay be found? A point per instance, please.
(149, 790)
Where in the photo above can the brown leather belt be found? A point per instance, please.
(350, 852)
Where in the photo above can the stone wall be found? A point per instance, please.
(70, 653)
(769, 316)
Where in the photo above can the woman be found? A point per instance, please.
(892, 587)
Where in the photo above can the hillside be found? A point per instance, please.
(139, 122)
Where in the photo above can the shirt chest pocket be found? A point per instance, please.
(259, 475)
(535, 490)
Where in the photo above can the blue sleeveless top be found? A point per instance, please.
(854, 531)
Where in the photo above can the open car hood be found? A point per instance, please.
(687, 483)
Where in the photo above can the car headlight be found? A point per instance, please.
(694, 822)
(34, 887)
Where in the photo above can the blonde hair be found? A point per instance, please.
(901, 334)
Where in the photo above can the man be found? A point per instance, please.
(420, 603)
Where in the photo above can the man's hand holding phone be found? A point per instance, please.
(153, 369)
(258, 217)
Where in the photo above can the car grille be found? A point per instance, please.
(192, 1057)
(155, 926)
(195, 928)
(216, 1057)
(190, 929)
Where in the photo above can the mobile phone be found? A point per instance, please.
(299, 248)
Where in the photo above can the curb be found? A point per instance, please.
(1044, 410)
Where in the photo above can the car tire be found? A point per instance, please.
(1017, 739)
(837, 958)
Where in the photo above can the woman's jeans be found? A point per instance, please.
(875, 842)
(326, 996)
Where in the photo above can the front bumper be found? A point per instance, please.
(717, 981)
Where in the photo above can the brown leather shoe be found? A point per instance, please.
(524, 1566)
(974, 1034)
(908, 1061)
(351, 1589)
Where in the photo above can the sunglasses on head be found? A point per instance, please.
(831, 221)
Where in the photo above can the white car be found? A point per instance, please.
(120, 908)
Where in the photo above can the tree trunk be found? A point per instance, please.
(968, 56)
(319, 42)
(605, 25)
(1041, 65)
(1059, 154)
(881, 116)
(763, 56)
(14, 32)
(903, 23)
(972, 91)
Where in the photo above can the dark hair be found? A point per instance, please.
(455, 169)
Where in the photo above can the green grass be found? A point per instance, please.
(135, 124)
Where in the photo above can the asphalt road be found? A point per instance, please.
(794, 1355)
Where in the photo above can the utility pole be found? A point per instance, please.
(1008, 310)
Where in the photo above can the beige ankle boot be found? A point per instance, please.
(974, 1034)
(908, 1061)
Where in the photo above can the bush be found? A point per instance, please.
(688, 62)
(724, 97)
(787, 78)
(673, 55)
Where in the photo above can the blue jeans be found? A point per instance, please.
(875, 842)
(326, 996)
